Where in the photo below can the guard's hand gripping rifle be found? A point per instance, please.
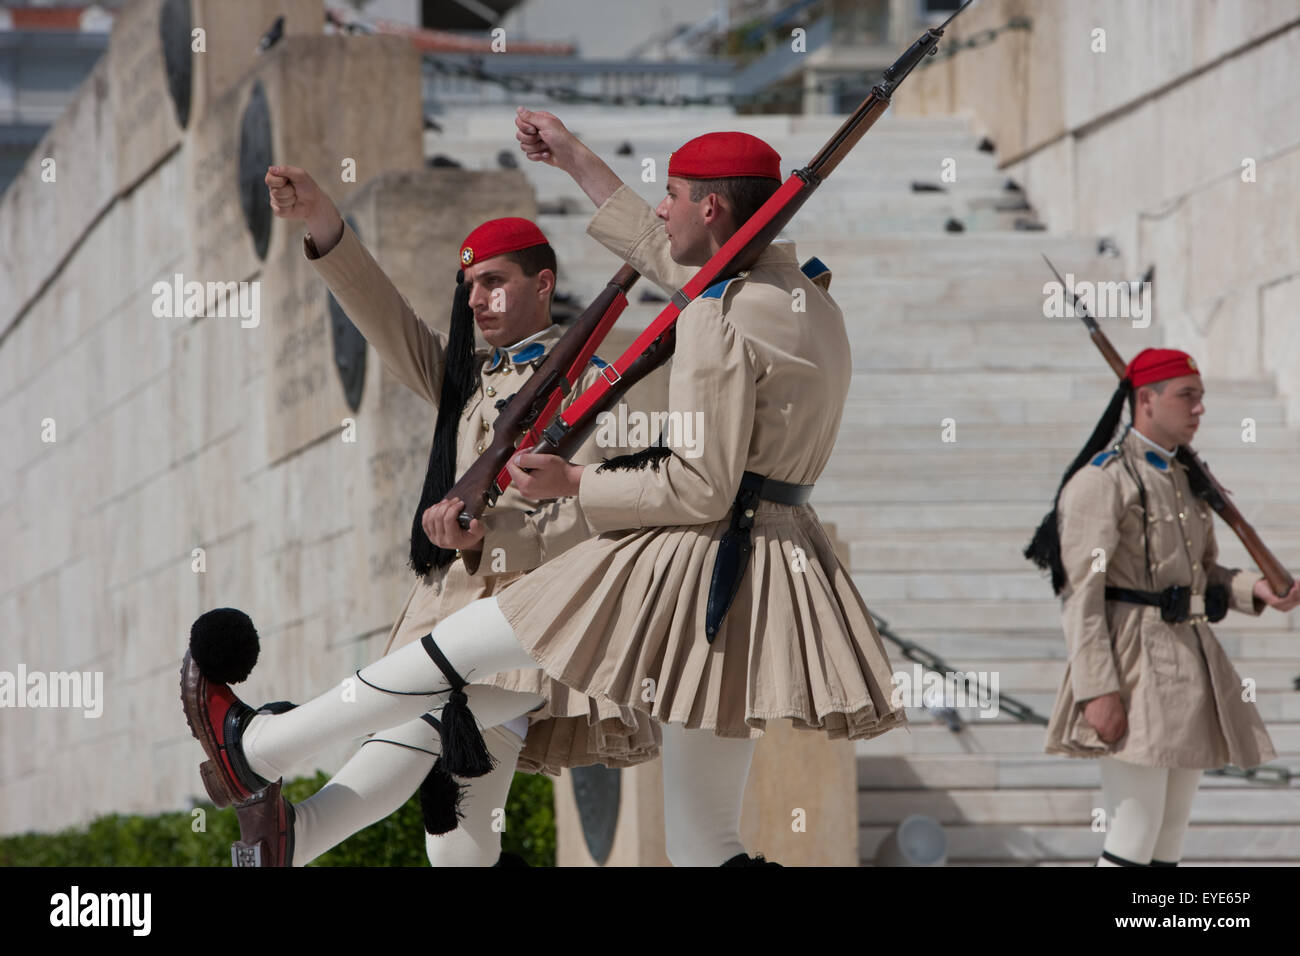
(1199, 476)
(487, 478)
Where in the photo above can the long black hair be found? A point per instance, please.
(459, 378)
(1044, 548)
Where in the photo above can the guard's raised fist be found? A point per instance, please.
(543, 138)
(294, 194)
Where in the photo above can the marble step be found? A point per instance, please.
(1279, 705)
(848, 482)
(1026, 739)
(1095, 386)
(1016, 843)
(1018, 444)
(964, 771)
(1041, 807)
(1037, 615)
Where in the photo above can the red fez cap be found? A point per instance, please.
(1156, 365)
(724, 155)
(497, 236)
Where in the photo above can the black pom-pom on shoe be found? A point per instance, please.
(224, 645)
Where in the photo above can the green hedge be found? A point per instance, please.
(169, 839)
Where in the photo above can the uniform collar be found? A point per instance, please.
(1156, 455)
(524, 351)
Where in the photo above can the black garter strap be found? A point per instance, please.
(398, 743)
(444, 665)
(402, 693)
(464, 752)
(1118, 860)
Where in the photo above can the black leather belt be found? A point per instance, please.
(1175, 602)
(735, 546)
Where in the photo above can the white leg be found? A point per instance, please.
(704, 786)
(376, 782)
(1134, 799)
(1179, 796)
(477, 640)
(477, 841)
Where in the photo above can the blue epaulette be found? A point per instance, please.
(1102, 458)
(599, 362)
(718, 289)
(812, 269)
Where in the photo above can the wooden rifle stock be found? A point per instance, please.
(1200, 477)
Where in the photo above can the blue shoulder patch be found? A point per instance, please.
(599, 362)
(716, 290)
(814, 267)
(1157, 460)
(1104, 457)
(528, 353)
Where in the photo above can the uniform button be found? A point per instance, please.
(479, 448)
(1178, 494)
(1181, 516)
(486, 425)
(491, 391)
(1194, 567)
(506, 370)
(1189, 542)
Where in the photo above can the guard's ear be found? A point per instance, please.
(546, 283)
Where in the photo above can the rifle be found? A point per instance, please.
(1199, 477)
(539, 397)
(487, 477)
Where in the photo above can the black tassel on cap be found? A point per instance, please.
(1045, 547)
(440, 799)
(458, 382)
(464, 752)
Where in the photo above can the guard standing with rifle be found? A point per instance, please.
(1131, 550)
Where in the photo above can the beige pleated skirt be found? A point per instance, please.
(570, 729)
(621, 617)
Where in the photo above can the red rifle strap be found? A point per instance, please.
(708, 274)
(574, 372)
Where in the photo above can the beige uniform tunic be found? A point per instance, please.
(571, 729)
(622, 615)
(1182, 696)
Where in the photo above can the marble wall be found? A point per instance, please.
(1178, 141)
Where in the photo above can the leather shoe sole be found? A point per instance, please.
(265, 830)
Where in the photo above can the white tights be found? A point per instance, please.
(477, 640)
(381, 777)
(704, 786)
(704, 775)
(1148, 809)
(390, 766)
